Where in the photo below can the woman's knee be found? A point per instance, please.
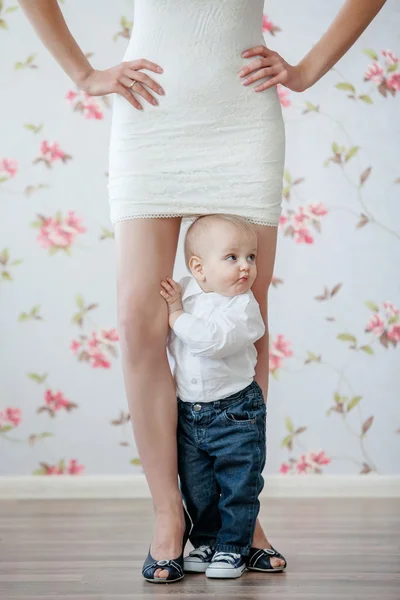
(142, 324)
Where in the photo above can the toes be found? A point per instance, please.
(277, 562)
(161, 573)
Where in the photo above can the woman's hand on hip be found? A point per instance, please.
(270, 64)
(125, 79)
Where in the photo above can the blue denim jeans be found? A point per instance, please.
(221, 456)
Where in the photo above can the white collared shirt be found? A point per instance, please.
(211, 345)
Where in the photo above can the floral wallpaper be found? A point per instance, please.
(335, 300)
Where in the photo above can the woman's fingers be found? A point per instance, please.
(144, 80)
(142, 63)
(280, 78)
(137, 88)
(123, 91)
(260, 74)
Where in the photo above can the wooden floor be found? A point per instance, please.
(342, 549)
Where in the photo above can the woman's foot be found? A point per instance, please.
(167, 538)
(260, 541)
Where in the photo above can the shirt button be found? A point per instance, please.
(194, 380)
(197, 407)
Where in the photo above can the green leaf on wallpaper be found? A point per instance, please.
(372, 306)
(30, 59)
(371, 53)
(289, 424)
(36, 377)
(80, 301)
(11, 9)
(4, 256)
(3, 24)
(352, 152)
(367, 349)
(18, 66)
(287, 441)
(39, 472)
(58, 216)
(312, 107)
(1, 5)
(53, 250)
(347, 337)
(135, 461)
(366, 98)
(5, 428)
(335, 147)
(287, 176)
(34, 128)
(6, 276)
(393, 67)
(346, 86)
(353, 402)
(275, 374)
(3, 178)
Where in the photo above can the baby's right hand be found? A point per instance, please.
(172, 294)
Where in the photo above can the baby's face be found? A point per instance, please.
(229, 261)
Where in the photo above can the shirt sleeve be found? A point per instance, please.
(229, 330)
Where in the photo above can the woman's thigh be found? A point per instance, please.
(145, 254)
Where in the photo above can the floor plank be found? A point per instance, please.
(347, 549)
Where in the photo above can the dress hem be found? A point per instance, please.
(186, 216)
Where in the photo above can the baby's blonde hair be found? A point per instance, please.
(200, 228)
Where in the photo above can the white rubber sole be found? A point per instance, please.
(227, 573)
(195, 567)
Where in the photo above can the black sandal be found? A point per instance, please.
(260, 560)
(173, 566)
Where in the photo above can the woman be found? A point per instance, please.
(188, 139)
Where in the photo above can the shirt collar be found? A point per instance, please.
(192, 289)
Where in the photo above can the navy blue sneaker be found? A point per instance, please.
(226, 565)
(198, 559)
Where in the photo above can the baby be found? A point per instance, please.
(215, 321)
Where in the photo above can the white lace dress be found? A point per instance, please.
(211, 145)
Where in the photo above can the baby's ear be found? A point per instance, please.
(196, 265)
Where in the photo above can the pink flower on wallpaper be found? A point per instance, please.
(390, 57)
(283, 94)
(268, 26)
(394, 82)
(50, 153)
(390, 309)
(375, 325)
(319, 210)
(85, 104)
(279, 350)
(302, 235)
(54, 402)
(71, 96)
(384, 325)
(10, 417)
(374, 73)
(309, 463)
(58, 233)
(385, 77)
(394, 333)
(72, 468)
(297, 224)
(95, 348)
(9, 166)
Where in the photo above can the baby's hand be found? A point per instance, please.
(172, 294)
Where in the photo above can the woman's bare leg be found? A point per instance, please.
(267, 238)
(145, 252)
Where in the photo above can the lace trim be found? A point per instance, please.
(185, 216)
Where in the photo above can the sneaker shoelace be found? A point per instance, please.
(228, 557)
(203, 552)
